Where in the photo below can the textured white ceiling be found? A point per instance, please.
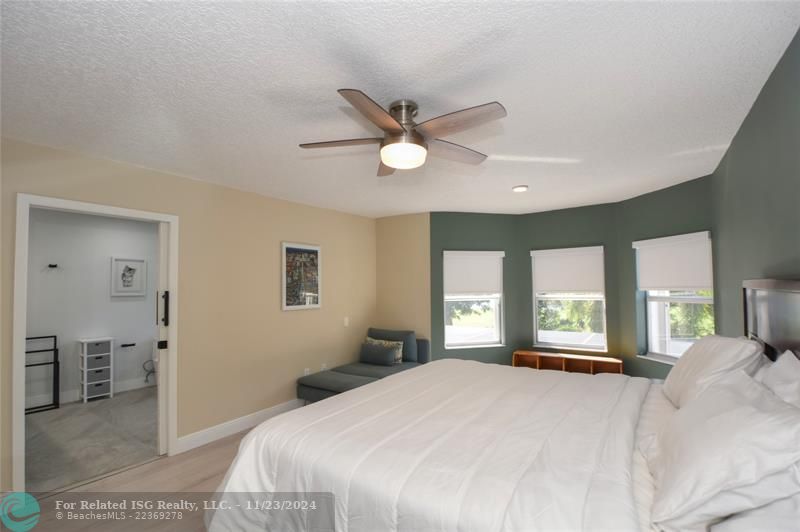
(605, 100)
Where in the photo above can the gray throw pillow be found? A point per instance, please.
(396, 346)
(380, 355)
(409, 339)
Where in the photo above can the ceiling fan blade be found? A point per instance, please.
(338, 143)
(384, 170)
(444, 125)
(455, 152)
(372, 111)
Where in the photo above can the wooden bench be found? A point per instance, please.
(566, 362)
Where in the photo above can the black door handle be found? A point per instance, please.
(165, 319)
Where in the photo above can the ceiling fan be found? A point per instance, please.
(405, 143)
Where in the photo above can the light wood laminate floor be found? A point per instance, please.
(198, 470)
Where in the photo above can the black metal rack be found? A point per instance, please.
(56, 379)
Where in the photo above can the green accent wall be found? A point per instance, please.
(676, 210)
(568, 228)
(756, 193)
(751, 204)
(684, 208)
(473, 232)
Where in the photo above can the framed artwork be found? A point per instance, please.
(128, 277)
(302, 282)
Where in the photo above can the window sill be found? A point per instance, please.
(658, 357)
(475, 346)
(552, 347)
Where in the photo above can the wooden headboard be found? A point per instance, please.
(772, 314)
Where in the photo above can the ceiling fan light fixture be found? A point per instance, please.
(404, 153)
(405, 142)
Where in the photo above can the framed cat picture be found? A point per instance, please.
(128, 277)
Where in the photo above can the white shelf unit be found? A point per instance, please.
(96, 364)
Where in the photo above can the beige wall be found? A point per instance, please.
(5, 472)
(404, 273)
(239, 353)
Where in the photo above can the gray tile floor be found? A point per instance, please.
(80, 441)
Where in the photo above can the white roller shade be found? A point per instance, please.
(680, 262)
(568, 270)
(473, 272)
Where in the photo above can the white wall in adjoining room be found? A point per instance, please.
(74, 300)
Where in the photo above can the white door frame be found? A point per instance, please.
(25, 202)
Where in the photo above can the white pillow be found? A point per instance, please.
(783, 378)
(783, 515)
(734, 448)
(770, 488)
(705, 361)
(762, 369)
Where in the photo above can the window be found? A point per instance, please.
(472, 320)
(676, 318)
(473, 298)
(573, 320)
(676, 274)
(569, 298)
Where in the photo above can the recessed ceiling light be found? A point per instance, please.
(520, 188)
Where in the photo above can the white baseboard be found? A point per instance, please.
(133, 384)
(66, 396)
(72, 396)
(205, 436)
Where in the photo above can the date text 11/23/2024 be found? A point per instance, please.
(186, 506)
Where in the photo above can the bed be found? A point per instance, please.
(463, 445)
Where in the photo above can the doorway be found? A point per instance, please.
(94, 350)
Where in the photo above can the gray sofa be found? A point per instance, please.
(324, 384)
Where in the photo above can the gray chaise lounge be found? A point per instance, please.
(324, 384)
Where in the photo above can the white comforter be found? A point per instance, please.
(455, 445)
